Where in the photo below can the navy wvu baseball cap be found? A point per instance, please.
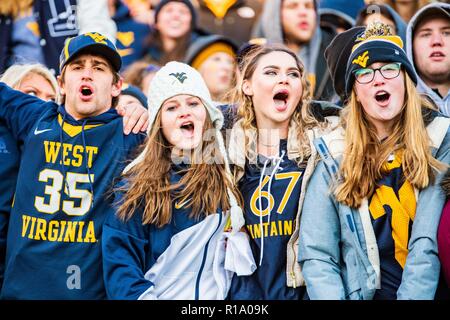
(90, 42)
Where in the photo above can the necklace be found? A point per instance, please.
(270, 145)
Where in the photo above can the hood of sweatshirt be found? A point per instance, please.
(443, 104)
(269, 27)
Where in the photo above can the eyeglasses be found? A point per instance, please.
(388, 71)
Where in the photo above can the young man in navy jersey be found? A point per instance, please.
(70, 155)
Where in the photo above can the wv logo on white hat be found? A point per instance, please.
(180, 76)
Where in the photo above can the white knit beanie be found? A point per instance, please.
(177, 78)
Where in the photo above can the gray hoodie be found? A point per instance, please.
(270, 27)
(312, 54)
(442, 103)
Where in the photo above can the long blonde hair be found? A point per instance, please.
(365, 156)
(303, 114)
(203, 185)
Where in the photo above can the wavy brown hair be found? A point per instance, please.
(204, 183)
(303, 114)
(364, 158)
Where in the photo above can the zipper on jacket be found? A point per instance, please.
(205, 253)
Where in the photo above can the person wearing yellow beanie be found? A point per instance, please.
(214, 57)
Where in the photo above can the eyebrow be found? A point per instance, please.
(171, 100)
(431, 29)
(82, 61)
(277, 67)
(99, 62)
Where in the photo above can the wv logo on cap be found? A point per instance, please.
(180, 76)
(362, 59)
(97, 37)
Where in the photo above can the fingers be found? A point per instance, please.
(145, 126)
(129, 118)
(141, 124)
(135, 118)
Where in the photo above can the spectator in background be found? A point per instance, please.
(339, 21)
(33, 31)
(140, 74)
(385, 14)
(337, 54)
(214, 57)
(349, 8)
(428, 47)
(233, 19)
(175, 28)
(405, 8)
(133, 26)
(296, 24)
(131, 94)
(36, 80)
(33, 79)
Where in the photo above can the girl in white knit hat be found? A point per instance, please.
(176, 203)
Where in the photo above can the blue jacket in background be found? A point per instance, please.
(56, 21)
(337, 248)
(130, 35)
(54, 248)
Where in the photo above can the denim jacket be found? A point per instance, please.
(338, 252)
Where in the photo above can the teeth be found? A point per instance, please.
(188, 125)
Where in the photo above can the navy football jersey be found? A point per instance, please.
(61, 197)
(392, 208)
(270, 221)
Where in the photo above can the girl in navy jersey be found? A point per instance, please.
(271, 147)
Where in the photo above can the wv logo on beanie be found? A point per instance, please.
(362, 59)
(180, 76)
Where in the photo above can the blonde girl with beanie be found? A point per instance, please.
(371, 212)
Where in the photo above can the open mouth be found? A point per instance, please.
(382, 96)
(188, 128)
(280, 99)
(86, 91)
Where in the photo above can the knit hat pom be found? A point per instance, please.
(376, 28)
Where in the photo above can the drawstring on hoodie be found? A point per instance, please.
(278, 161)
(65, 184)
(86, 162)
(63, 169)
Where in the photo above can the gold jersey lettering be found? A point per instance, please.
(272, 229)
(58, 231)
(73, 155)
